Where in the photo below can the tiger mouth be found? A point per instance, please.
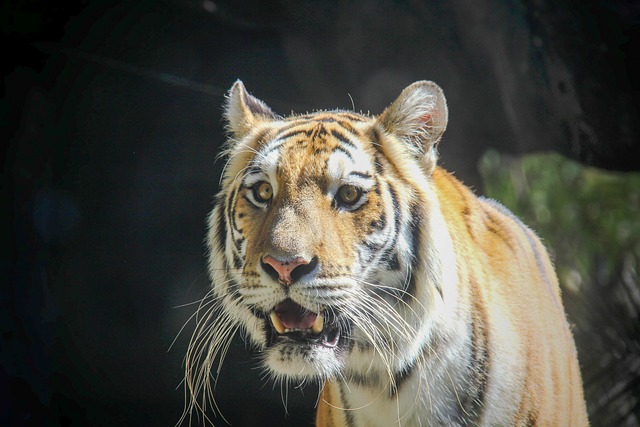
(292, 323)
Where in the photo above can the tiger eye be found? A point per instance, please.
(349, 194)
(263, 192)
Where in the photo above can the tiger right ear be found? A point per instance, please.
(244, 111)
(418, 117)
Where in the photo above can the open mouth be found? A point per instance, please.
(292, 322)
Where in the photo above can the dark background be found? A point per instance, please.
(112, 114)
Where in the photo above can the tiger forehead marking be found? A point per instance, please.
(306, 158)
(312, 140)
(345, 255)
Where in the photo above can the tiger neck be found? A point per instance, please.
(425, 394)
(424, 389)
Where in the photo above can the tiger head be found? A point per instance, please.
(314, 237)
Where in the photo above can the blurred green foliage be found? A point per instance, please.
(589, 220)
(578, 211)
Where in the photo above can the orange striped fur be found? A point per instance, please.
(347, 256)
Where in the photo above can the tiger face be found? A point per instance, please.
(313, 238)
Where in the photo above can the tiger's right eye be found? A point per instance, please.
(262, 192)
(349, 194)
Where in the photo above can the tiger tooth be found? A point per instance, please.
(318, 325)
(277, 323)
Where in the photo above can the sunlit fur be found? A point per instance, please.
(448, 307)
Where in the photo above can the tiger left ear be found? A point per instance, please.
(244, 111)
(418, 117)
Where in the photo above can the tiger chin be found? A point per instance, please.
(341, 250)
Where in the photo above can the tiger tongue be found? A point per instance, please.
(294, 316)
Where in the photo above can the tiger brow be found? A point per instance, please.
(364, 175)
(281, 138)
(344, 139)
(253, 168)
(359, 177)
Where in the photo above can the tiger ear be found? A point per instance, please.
(419, 118)
(244, 111)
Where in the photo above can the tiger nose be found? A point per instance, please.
(289, 271)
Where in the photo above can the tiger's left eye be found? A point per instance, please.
(349, 195)
(263, 192)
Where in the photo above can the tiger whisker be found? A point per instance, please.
(210, 340)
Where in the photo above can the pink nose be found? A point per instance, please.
(284, 268)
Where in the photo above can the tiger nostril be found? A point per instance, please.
(287, 272)
(303, 269)
(269, 270)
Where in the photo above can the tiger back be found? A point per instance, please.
(347, 256)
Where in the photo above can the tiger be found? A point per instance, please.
(341, 250)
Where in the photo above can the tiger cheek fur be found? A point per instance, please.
(346, 255)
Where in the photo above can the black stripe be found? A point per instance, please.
(231, 209)
(251, 203)
(378, 163)
(472, 398)
(376, 141)
(375, 137)
(347, 126)
(361, 174)
(345, 152)
(391, 258)
(397, 216)
(415, 228)
(237, 262)
(348, 415)
(344, 139)
(253, 168)
(396, 207)
(368, 380)
(271, 148)
(221, 228)
(283, 137)
(400, 378)
(427, 349)
(397, 212)
(318, 131)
